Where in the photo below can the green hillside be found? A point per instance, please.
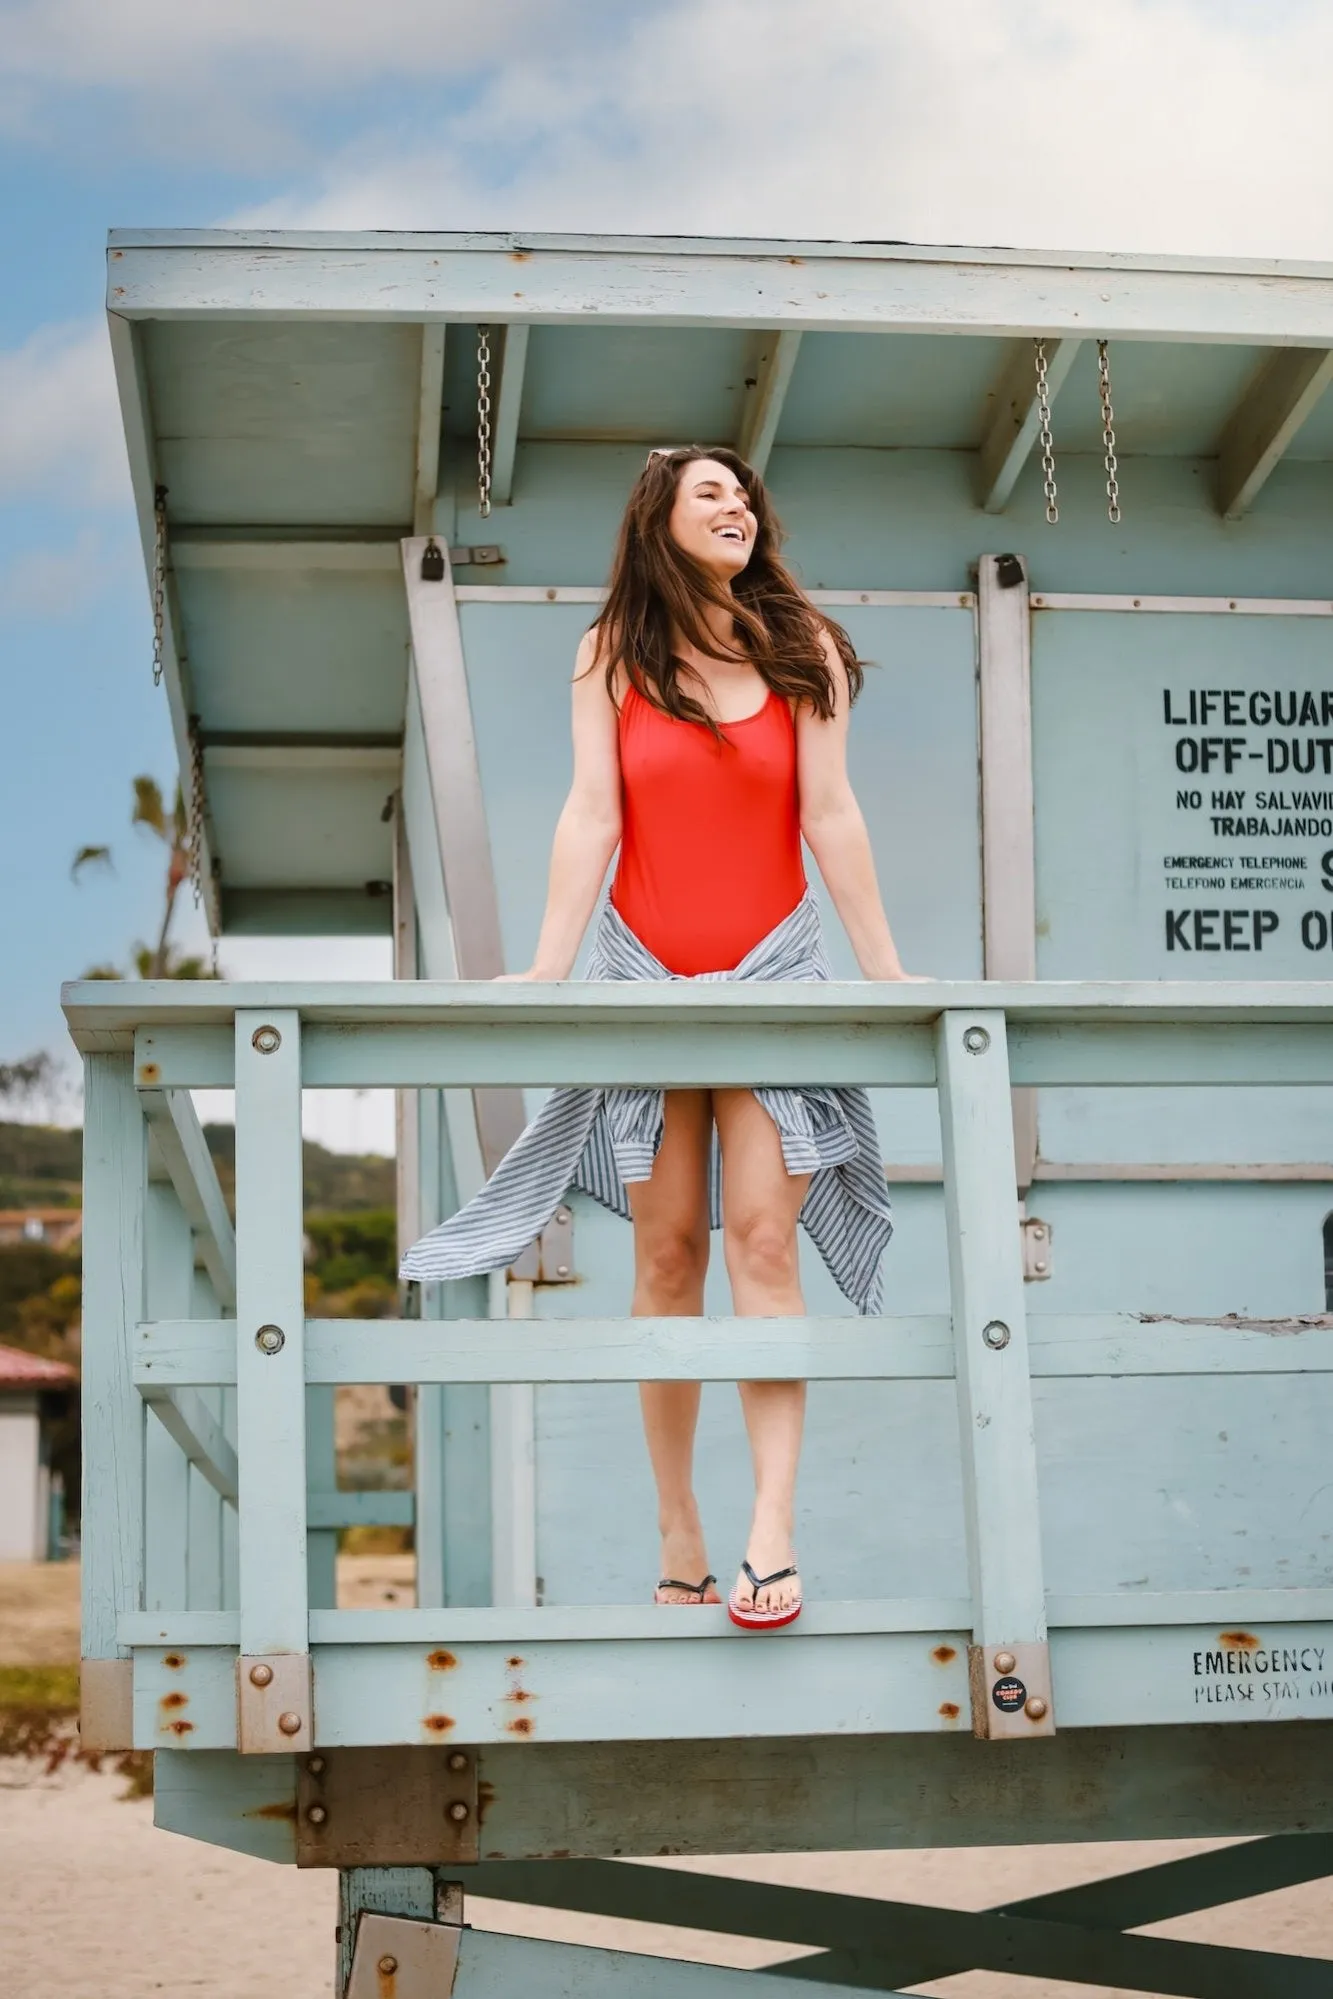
(40, 1166)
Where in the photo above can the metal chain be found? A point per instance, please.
(159, 579)
(195, 834)
(1108, 433)
(484, 421)
(1047, 444)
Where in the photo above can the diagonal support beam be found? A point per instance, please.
(508, 403)
(430, 413)
(1014, 428)
(186, 1417)
(868, 1930)
(178, 1139)
(762, 412)
(1119, 1902)
(1265, 421)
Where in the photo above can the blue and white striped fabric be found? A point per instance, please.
(597, 1140)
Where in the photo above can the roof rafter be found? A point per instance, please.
(1264, 422)
(508, 402)
(765, 396)
(1014, 429)
(430, 413)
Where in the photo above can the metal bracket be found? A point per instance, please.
(274, 1704)
(393, 1807)
(1010, 1687)
(556, 1248)
(106, 1704)
(481, 555)
(1037, 1256)
(398, 1958)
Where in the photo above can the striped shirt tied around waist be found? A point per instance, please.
(600, 1140)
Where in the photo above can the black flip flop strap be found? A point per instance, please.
(691, 1589)
(762, 1582)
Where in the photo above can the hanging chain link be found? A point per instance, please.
(159, 579)
(195, 834)
(484, 421)
(1108, 433)
(1047, 443)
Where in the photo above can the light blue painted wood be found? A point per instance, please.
(115, 1165)
(359, 1509)
(184, 1416)
(381, 1891)
(506, 1967)
(247, 1803)
(270, 1387)
(205, 1561)
(990, 1333)
(714, 282)
(170, 1284)
(321, 1466)
(178, 1141)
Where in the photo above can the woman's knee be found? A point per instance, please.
(672, 1263)
(761, 1247)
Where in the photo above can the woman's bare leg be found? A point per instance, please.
(761, 1203)
(670, 1214)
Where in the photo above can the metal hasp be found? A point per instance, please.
(994, 1387)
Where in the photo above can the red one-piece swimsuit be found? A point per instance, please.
(710, 849)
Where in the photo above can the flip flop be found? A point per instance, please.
(751, 1619)
(691, 1589)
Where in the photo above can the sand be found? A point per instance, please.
(95, 1903)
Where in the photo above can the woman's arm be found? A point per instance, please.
(835, 831)
(588, 829)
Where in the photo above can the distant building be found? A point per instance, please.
(29, 1389)
(54, 1228)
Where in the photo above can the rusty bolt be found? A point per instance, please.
(976, 1040)
(260, 1676)
(317, 1814)
(1035, 1709)
(387, 1965)
(457, 1760)
(458, 1811)
(270, 1339)
(290, 1724)
(1004, 1662)
(316, 1766)
(266, 1040)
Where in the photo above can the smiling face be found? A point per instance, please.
(711, 518)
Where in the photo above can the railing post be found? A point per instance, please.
(115, 1169)
(273, 1671)
(1009, 1659)
(167, 1476)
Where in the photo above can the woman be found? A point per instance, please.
(710, 710)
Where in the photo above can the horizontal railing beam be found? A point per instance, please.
(173, 1353)
(360, 1509)
(1106, 1610)
(681, 1051)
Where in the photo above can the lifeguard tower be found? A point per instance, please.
(1068, 1516)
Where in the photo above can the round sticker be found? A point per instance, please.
(1009, 1694)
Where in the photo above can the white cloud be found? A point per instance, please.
(60, 426)
(1149, 125)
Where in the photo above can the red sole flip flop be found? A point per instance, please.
(750, 1619)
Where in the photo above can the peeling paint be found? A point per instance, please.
(438, 1724)
(944, 1655)
(441, 1661)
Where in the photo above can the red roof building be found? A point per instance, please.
(29, 1530)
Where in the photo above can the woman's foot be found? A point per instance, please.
(683, 1558)
(769, 1553)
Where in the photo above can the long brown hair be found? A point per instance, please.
(657, 590)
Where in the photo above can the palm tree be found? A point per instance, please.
(173, 829)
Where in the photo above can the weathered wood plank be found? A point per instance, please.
(1258, 431)
(179, 1138)
(1015, 425)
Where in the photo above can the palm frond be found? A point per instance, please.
(91, 856)
(148, 807)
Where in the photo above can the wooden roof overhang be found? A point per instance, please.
(306, 400)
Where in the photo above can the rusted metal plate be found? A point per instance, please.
(387, 1808)
(397, 1958)
(106, 1704)
(274, 1704)
(1010, 1687)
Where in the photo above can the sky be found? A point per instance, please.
(1197, 127)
